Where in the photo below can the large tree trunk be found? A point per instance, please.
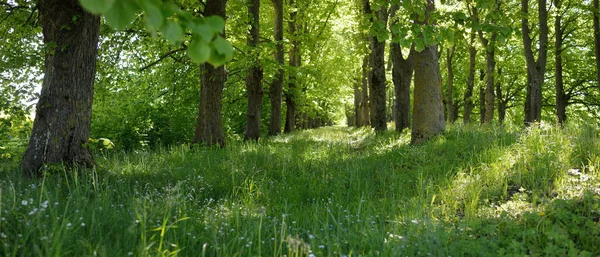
(378, 80)
(561, 97)
(596, 13)
(536, 68)
(450, 83)
(276, 89)
(428, 111)
(294, 62)
(402, 72)
(254, 76)
(470, 80)
(61, 128)
(209, 126)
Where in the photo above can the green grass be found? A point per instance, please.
(328, 192)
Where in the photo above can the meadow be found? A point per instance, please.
(334, 191)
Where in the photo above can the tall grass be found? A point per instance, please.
(327, 192)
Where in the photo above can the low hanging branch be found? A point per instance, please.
(162, 57)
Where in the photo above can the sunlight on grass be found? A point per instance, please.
(327, 192)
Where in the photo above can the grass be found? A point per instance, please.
(327, 192)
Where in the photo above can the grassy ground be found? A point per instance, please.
(327, 192)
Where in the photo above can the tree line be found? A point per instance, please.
(297, 62)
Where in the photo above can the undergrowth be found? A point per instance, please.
(327, 192)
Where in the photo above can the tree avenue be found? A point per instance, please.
(161, 73)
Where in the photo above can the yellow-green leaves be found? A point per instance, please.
(206, 44)
(121, 14)
(198, 50)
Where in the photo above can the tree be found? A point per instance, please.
(561, 97)
(536, 68)
(209, 126)
(378, 20)
(428, 110)
(402, 72)
(596, 15)
(61, 127)
(276, 89)
(450, 84)
(294, 62)
(255, 74)
(468, 98)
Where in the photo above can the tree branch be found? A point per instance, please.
(183, 48)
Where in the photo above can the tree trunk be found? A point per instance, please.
(294, 62)
(596, 14)
(450, 83)
(61, 128)
(536, 68)
(500, 99)
(364, 116)
(209, 126)
(276, 89)
(489, 89)
(561, 97)
(428, 111)
(482, 104)
(378, 80)
(470, 80)
(254, 76)
(402, 72)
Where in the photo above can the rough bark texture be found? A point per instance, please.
(363, 117)
(536, 68)
(561, 97)
(501, 102)
(482, 104)
(295, 61)
(276, 89)
(254, 75)
(468, 98)
(450, 83)
(61, 127)
(402, 72)
(489, 88)
(209, 126)
(428, 111)
(378, 80)
(597, 39)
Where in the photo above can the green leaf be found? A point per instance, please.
(121, 14)
(203, 30)
(419, 45)
(154, 15)
(216, 23)
(97, 6)
(217, 59)
(223, 46)
(173, 32)
(199, 51)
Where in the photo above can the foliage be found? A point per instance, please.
(327, 192)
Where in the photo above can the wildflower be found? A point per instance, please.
(82, 224)
(24, 202)
(321, 247)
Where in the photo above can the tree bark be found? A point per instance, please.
(428, 111)
(450, 83)
(364, 105)
(294, 62)
(209, 126)
(561, 97)
(468, 98)
(402, 72)
(536, 68)
(378, 80)
(276, 89)
(254, 76)
(500, 99)
(61, 128)
(596, 15)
